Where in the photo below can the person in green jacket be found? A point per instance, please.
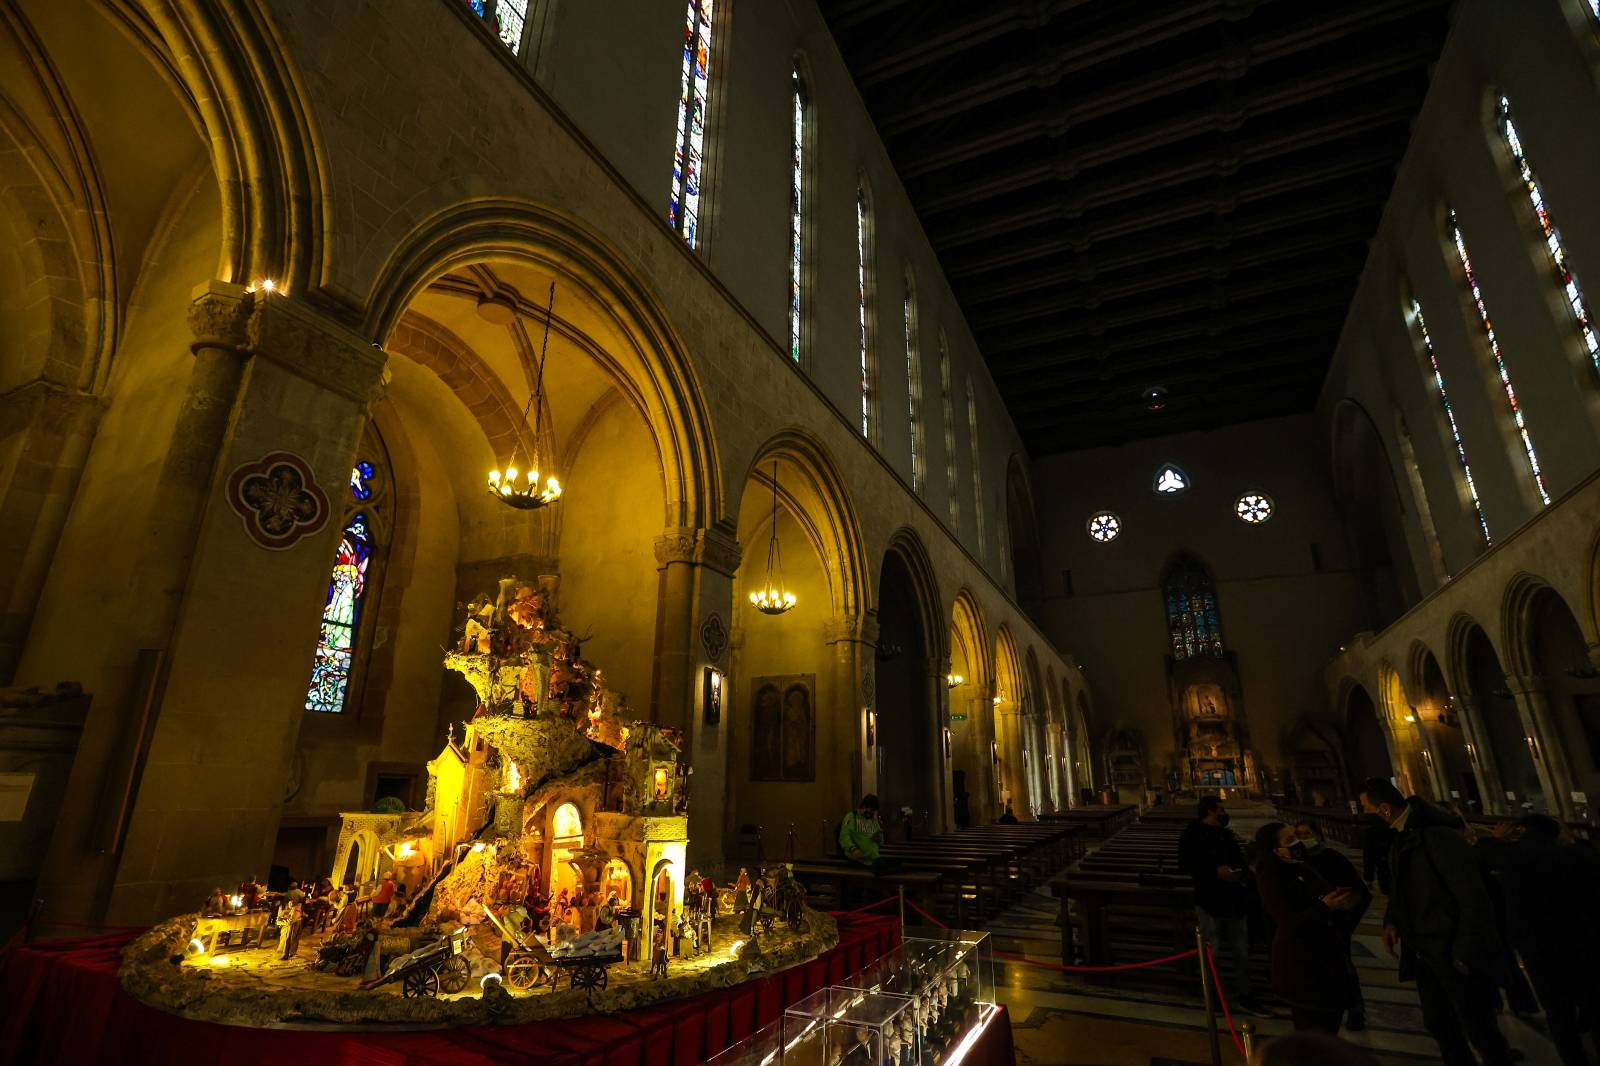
(861, 834)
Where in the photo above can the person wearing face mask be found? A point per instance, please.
(1210, 854)
(1339, 872)
(1310, 948)
(1441, 919)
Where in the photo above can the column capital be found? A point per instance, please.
(850, 629)
(288, 332)
(713, 548)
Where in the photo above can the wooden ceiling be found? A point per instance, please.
(1132, 194)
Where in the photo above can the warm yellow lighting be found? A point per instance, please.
(954, 680)
(221, 960)
(529, 496)
(236, 901)
(479, 846)
(1411, 718)
(484, 984)
(196, 947)
(512, 780)
(773, 597)
(733, 948)
(406, 849)
(772, 601)
(997, 701)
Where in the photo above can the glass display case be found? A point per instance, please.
(761, 1048)
(960, 998)
(842, 1026)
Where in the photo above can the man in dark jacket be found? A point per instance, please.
(1210, 854)
(1440, 915)
(1375, 841)
(1339, 872)
(1550, 891)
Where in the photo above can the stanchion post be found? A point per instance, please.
(1247, 1033)
(901, 891)
(1206, 993)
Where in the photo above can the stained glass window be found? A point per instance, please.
(1450, 418)
(977, 464)
(862, 238)
(796, 212)
(505, 17)
(1253, 508)
(1105, 527)
(914, 385)
(341, 616)
(361, 476)
(1552, 237)
(1499, 357)
(1170, 480)
(949, 411)
(1191, 598)
(683, 208)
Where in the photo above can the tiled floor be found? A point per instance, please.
(1060, 1018)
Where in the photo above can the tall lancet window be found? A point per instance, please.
(1499, 358)
(505, 17)
(869, 389)
(683, 208)
(1192, 620)
(977, 465)
(1450, 417)
(348, 602)
(948, 409)
(1552, 237)
(797, 207)
(919, 461)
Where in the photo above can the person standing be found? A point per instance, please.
(1550, 892)
(1375, 843)
(1440, 916)
(861, 834)
(1310, 948)
(1339, 872)
(1210, 854)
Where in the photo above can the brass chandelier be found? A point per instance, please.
(521, 489)
(774, 596)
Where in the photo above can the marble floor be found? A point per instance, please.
(1061, 1018)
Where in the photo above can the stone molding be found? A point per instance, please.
(290, 334)
(711, 548)
(850, 628)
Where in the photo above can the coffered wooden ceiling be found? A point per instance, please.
(1130, 194)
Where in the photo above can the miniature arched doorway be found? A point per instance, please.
(971, 725)
(566, 837)
(617, 880)
(1438, 715)
(908, 742)
(1559, 658)
(1009, 703)
(795, 751)
(662, 904)
(1496, 708)
(1366, 750)
(351, 874)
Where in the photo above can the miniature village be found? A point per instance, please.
(546, 877)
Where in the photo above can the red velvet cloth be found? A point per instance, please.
(63, 1005)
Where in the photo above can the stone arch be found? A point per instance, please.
(972, 785)
(1365, 486)
(1366, 742)
(1500, 745)
(648, 362)
(1522, 597)
(909, 693)
(1010, 694)
(822, 504)
(1083, 758)
(1549, 658)
(1023, 526)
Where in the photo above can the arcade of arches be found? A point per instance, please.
(273, 318)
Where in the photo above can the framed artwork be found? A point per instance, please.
(783, 728)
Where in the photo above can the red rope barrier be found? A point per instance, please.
(1216, 983)
(874, 905)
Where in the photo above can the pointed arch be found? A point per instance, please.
(648, 363)
(907, 544)
(824, 508)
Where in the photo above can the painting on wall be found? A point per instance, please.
(783, 728)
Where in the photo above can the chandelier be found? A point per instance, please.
(521, 489)
(954, 680)
(773, 597)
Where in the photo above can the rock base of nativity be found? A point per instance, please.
(546, 878)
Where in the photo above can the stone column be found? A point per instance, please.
(854, 641)
(1481, 754)
(233, 565)
(1432, 762)
(1543, 738)
(941, 815)
(693, 616)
